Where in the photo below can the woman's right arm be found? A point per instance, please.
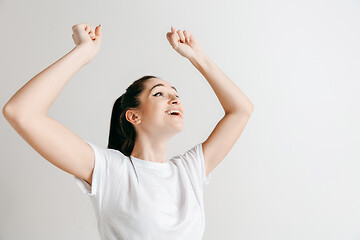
(57, 144)
(26, 112)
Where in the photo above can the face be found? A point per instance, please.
(152, 117)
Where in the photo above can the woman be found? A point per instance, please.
(135, 191)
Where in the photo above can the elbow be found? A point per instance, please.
(6, 111)
(252, 108)
(9, 113)
(13, 113)
(250, 111)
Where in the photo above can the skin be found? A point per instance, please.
(27, 109)
(154, 128)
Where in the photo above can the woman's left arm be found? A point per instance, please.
(231, 98)
(235, 103)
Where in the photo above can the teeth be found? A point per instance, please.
(171, 111)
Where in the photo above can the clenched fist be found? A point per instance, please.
(184, 43)
(84, 35)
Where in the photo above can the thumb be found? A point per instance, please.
(98, 33)
(173, 37)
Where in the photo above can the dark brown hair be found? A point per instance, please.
(122, 132)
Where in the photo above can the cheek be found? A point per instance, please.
(154, 110)
(155, 113)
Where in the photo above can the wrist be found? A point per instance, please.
(199, 60)
(84, 52)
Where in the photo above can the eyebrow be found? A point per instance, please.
(160, 84)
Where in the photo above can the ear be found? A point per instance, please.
(132, 116)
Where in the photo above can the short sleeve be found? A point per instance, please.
(98, 173)
(206, 180)
(195, 163)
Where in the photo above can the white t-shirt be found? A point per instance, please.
(147, 200)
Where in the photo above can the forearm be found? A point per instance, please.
(231, 98)
(38, 94)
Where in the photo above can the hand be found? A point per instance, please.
(84, 35)
(184, 43)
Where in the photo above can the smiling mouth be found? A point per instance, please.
(174, 115)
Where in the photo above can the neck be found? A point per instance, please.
(153, 150)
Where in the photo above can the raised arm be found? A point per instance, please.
(235, 103)
(27, 109)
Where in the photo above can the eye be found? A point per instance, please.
(161, 94)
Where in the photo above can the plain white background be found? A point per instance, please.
(293, 173)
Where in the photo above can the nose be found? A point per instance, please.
(174, 99)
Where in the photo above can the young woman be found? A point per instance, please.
(136, 192)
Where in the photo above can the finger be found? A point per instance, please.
(172, 37)
(98, 32)
(92, 32)
(86, 27)
(181, 35)
(81, 26)
(174, 33)
(187, 35)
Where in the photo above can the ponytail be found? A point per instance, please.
(122, 133)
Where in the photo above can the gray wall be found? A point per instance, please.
(293, 173)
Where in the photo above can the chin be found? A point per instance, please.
(178, 129)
